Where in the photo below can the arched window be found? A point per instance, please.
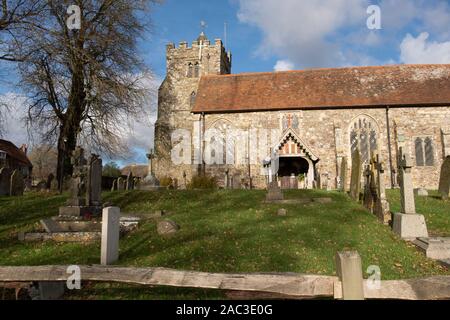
(420, 161)
(190, 72)
(424, 151)
(364, 136)
(429, 152)
(197, 70)
(192, 99)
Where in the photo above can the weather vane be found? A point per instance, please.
(203, 25)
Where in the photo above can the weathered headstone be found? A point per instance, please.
(17, 185)
(274, 192)
(282, 212)
(408, 224)
(444, 181)
(110, 235)
(129, 184)
(166, 227)
(355, 183)
(343, 175)
(369, 188)
(421, 192)
(349, 271)
(120, 184)
(5, 181)
(85, 186)
(94, 194)
(434, 248)
(54, 185)
(382, 206)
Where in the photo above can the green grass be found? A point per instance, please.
(221, 231)
(435, 210)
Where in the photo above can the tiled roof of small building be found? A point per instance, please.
(14, 152)
(399, 85)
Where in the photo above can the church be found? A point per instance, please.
(297, 127)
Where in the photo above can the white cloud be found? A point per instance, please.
(330, 33)
(14, 125)
(420, 50)
(283, 65)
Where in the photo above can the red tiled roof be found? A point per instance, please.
(14, 152)
(400, 85)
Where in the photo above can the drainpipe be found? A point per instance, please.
(203, 145)
(388, 126)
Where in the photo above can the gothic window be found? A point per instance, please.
(424, 152)
(364, 137)
(196, 70)
(190, 72)
(192, 98)
(420, 161)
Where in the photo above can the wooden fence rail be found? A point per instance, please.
(294, 286)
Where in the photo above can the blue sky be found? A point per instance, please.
(268, 35)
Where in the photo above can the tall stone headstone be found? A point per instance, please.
(120, 184)
(408, 204)
(17, 184)
(94, 194)
(382, 206)
(5, 181)
(355, 182)
(343, 175)
(85, 186)
(407, 223)
(444, 181)
(129, 185)
(110, 235)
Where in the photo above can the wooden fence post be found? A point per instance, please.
(349, 271)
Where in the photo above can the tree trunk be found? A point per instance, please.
(71, 125)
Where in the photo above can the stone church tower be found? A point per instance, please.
(176, 98)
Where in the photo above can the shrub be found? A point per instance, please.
(166, 182)
(203, 182)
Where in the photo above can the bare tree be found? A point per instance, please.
(44, 160)
(87, 81)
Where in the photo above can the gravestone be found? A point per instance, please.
(274, 192)
(355, 182)
(5, 180)
(434, 248)
(167, 227)
(444, 181)
(382, 206)
(17, 185)
(54, 185)
(120, 184)
(343, 175)
(421, 192)
(407, 223)
(110, 235)
(368, 199)
(85, 186)
(282, 212)
(129, 185)
(114, 185)
(94, 194)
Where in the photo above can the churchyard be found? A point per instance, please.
(230, 231)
